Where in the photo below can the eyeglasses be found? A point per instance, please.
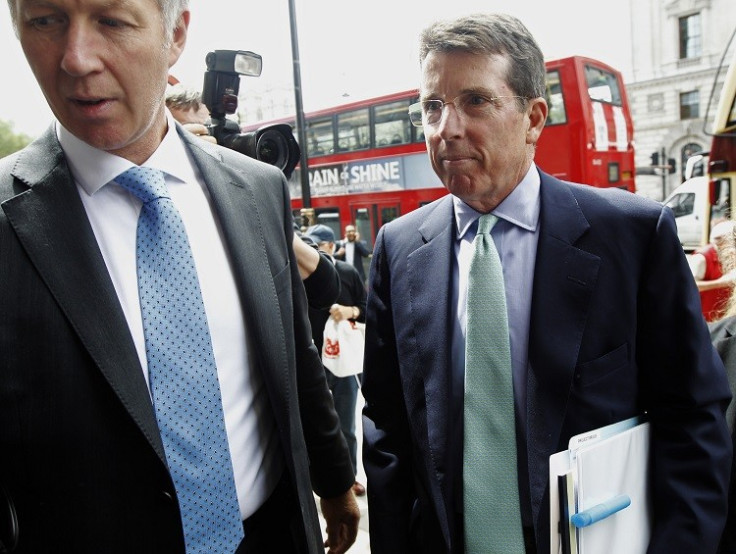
(470, 104)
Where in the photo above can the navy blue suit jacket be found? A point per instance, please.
(615, 330)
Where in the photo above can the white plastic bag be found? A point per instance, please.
(342, 347)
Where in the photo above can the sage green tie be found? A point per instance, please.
(492, 517)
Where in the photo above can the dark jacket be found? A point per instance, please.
(81, 457)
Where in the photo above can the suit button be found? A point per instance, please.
(168, 497)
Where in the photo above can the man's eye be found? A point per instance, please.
(432, 106)
(46, 22)
(110, 22)
(476, 100)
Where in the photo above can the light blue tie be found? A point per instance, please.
(492, 517)
(182, 371)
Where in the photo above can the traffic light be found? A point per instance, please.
(671, 165)
(655, 158)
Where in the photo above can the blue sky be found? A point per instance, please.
(348, 47)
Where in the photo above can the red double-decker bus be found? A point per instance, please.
(368, 164)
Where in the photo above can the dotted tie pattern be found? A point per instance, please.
(182, 371)
(492, 517)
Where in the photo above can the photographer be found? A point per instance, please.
(321, 280)
(187, 108)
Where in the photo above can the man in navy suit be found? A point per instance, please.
(83, 467)
(604, 317)
(353, 250)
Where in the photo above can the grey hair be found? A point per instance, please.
(170, 12)
(492, 34)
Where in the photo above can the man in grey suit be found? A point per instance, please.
(83, 467)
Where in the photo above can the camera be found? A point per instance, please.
(272, 144)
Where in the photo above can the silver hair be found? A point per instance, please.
(170, 12)
(492, 34)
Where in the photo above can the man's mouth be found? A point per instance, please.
(88, 102)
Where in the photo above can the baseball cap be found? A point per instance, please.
(320, 233)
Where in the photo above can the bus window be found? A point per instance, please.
(392, 125)
(353, 131)
(320, 137)
(388, 214)
(602, 85)
(329, 217)
(721, 202)
(556, 102)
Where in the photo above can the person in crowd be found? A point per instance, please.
(723, 335)
(160, 390)
(571, 309)
(353, 250)
(350, 305)
(713, 280)
(319, 275)
(188, 109)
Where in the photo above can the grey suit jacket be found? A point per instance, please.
(615, 330)
(80, 452)
(723, 335)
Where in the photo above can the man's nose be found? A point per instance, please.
(81, 51)
(451, 121)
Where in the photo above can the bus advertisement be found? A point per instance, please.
(368, 164)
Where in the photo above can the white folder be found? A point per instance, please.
(605, 464)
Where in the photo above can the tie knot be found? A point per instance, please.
(486, 223)
(145, 182)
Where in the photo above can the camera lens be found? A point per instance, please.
(272, 149)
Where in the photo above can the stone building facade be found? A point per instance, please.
(677, 48)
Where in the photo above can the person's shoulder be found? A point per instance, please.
(422, 214)
(722, 328)
(32, 163)
(345, 268)
(611, 203)
(233, 159)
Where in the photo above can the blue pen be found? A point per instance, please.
(601, 511)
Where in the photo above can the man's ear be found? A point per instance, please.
(179, 37)
(537, 114)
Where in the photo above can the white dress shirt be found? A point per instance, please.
(113, 214)
(349, 252)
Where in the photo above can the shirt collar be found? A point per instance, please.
(520, 208)
(93, 168)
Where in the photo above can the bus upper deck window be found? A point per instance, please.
(602, 85)
(555, 99)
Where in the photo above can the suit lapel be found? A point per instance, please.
(429, 271)
(564, 279)
(234, 197)
(51, 224)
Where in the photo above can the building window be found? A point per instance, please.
(690, 36)
(689, 105)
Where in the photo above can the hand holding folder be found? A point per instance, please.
(606, 471)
